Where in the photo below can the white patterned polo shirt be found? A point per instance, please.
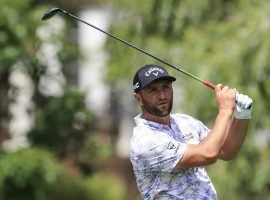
(155, 151)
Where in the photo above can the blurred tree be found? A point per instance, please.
(27, 174)
(39, 49)
(22, 41)
(37, 175)
(17, 41)
(20, 46)
(62, 124)
(218, 40)
(65, 126)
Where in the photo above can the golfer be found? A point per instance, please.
(169, 152)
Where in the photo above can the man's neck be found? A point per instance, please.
(161, 120)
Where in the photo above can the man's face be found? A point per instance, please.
(157, 98)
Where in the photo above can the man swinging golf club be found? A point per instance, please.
(169, 151)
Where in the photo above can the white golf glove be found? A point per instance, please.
(243, 106)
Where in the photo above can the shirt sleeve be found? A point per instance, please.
(203, 130)
(159, 152)
(199, 128)
(192, 125)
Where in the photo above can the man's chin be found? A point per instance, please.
(162, 114)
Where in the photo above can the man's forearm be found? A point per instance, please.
(235, 139)
(217, 137)
(207, 152)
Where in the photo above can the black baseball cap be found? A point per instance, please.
(149, 73)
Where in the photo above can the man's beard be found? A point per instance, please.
(154, 110)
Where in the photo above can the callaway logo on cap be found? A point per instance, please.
(148, 74)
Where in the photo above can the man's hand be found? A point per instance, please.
(243, 107)
(225, 98)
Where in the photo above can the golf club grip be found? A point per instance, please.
(210, 85)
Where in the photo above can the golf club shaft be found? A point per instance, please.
(53, 11)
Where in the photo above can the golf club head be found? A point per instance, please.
(50, 13)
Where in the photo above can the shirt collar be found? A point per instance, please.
(139, 121)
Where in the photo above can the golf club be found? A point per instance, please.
(53, 11)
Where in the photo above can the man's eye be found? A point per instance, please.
(151, 90)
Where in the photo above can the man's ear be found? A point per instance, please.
(138, 98)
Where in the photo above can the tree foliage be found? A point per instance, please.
(62, 122)
(37, 48)
(18, 45)
(36, 174)
(21, 49)
(64, 126)
(27, 175)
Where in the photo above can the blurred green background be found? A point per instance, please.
(69, 152)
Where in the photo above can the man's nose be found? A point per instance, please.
(161, 94)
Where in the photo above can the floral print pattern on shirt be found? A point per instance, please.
(155, 151)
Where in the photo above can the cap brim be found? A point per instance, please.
(169, 78)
